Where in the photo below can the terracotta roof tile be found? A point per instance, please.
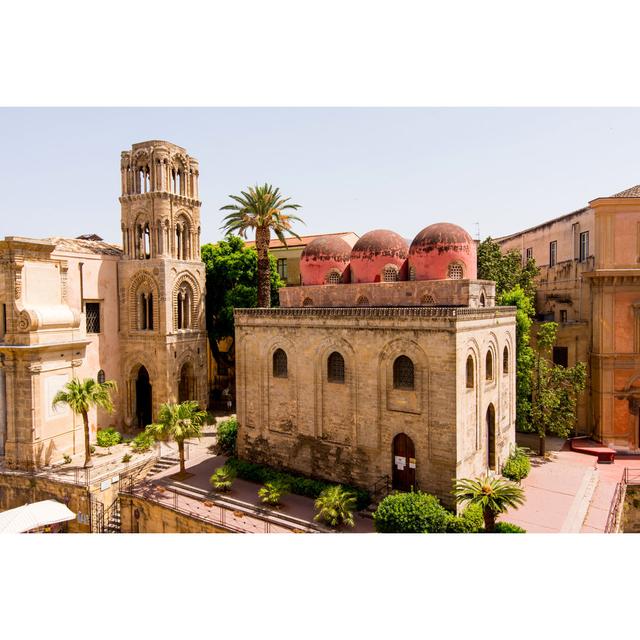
(631, 192)
(304, 240)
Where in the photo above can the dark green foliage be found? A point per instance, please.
(143, 442)
(297, 484)
(126, 457)
(469, 521)
(227, 435)
(506, 269)
(66, 458)
(272, 492)
(517, 465)
(108, 437)
(232, 281)
(413, 512)
(507, 527)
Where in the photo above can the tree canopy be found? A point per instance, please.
(231, 281)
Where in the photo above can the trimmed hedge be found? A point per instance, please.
(517, 466)
(418, 512)
(507, 527)
(299, 485)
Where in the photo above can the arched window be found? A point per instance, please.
(334, 277)
(505, 360)
(390, 273)
(183, 307)
(455, 271)
(489, 366)
(307, 302)
(362, 301)
(482, 300)
(403, 377)
(470, 368)
(279, 364)
(101, 377)
(335, 368)
(145, 311)
(146, 242)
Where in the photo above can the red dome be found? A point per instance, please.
(442, 251)
(325, 259)
(375, 251)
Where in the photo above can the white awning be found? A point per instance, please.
(34, 515)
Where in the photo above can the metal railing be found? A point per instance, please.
(217, 514)
(381, 488)
(629, 477)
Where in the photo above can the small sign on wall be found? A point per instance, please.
(412, 463)
(105, 484)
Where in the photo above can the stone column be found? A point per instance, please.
(3, 407)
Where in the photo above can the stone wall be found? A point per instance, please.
(345, 431)
(465, 293)
(142, 516)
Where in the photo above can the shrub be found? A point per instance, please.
(507, 527)
(108, 437)
(413, 512)
(300, 485)
(517, 465)
(67, 458)
(142, 442)
(222, 479)
(272, 492)
(335, 506)
(126, 457)
(92, 449)
(469, 521)
(227, 436)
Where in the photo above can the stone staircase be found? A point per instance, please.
(162, 464)
(113, 523)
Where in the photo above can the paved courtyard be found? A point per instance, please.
(570, 492)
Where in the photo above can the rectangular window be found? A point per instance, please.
(92, 312)
(561, 356)
(584, 246)
(529, 254)
(282, 268)
(553, 253)
(563, 315)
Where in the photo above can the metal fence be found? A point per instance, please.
(629, 477)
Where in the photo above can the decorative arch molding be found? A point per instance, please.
(474, 352)
(143, 283)
(323, 388)
(281, 395)
(492, 344)
(131, 366)
(412, 401)
(185, 302)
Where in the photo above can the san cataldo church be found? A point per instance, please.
(390, 359)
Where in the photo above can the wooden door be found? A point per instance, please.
(403, 463)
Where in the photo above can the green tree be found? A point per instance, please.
(178, 422)
(493, 494)
(517, 297)
(506, 269)
(231, 281)
(263, 209)
(335, 506)
(80, 397)
(555, 389)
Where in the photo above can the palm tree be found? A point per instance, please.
(494, 495)
(335, 506)
(178, 422)
(80, 397)
(261, 208)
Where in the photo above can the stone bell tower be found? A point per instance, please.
(161, 281)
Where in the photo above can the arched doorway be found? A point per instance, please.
(143, 399)
(185, 383)
(491, 437)
(403, 463)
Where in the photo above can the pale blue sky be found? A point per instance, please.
(350, 168)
